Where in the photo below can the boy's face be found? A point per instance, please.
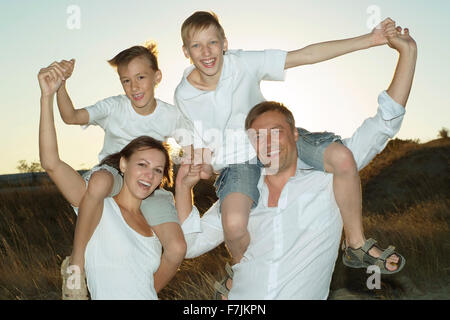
(138, 81)
(205, 49)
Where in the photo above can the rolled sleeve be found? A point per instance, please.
(373, 135)
(192, 222)
(202, 234)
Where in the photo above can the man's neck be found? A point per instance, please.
(275, 183)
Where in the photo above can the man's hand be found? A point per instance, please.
(402, 42)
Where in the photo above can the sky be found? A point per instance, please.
(335, 95)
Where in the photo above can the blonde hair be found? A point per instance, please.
(200, 20)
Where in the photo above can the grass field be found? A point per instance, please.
(406, 202)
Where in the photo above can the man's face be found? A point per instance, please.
(205, 49)
(274, 141)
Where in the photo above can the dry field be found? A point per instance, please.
(406, 202)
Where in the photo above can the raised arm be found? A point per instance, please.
(400, 86)
(331, 49)
(372, 136)
(68, 181)
(69, 114)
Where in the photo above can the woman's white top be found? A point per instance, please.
(118, 257)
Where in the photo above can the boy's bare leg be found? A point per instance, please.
(172, 240)
(235, 213)
(339, 160)
(89, 214)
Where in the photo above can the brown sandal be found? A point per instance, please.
(221, 287)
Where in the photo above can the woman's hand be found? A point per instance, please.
(188, 175)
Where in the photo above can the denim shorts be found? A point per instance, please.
(157, 208)
(311, 146)
(243, 177)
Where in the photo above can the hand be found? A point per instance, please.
(50, 79)
(67, 67)
(206, 171)
(402, 42)
(188, 175)
(378, 34)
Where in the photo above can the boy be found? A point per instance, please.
(216, 93)
(125, 117)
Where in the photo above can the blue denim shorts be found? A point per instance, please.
(311, 146)
(243, 177)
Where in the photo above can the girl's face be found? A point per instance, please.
(143, 171)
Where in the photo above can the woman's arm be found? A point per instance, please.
(68, 181)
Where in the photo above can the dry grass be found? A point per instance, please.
(405, 202)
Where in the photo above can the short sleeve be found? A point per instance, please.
(265, 65)
(99, 112)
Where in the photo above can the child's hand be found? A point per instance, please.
(67, 67)
(206, 171)
(50, 79)
(378, 34)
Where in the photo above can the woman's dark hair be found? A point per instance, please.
(142, 143)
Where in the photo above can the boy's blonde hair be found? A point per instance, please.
(147, 51)
(200, 20)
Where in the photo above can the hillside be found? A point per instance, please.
(406, 202)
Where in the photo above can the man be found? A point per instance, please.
(296, 228)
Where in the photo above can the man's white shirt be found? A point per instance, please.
(293, 247)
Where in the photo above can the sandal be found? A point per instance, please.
(75, 293)
(360, 258)
(221, 287)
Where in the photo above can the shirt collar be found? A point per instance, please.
(191, 92)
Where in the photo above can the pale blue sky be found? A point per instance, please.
(336, 95)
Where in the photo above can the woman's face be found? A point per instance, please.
(143, 171)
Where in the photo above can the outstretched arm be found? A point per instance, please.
(331, 49)
(69, 114)
(68, 181)
(400, 86)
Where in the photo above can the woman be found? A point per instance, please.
(123, 256)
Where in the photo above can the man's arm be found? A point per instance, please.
(69, 114)
(372, 136)
(331, 49)
(400, 86)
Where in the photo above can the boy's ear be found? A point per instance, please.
(225, 44)
(185, 51)
(158, 77)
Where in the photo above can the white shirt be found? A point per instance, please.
(120, 262)
(293, 247)
(122, 124)
(216, 119)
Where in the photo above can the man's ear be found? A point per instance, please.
(295, 134)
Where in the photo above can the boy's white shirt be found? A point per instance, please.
(122, 124)
(216, 119)
(293, 247)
